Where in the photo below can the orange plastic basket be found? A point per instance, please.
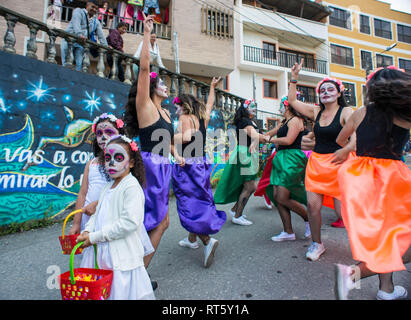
(68, 242)
(85, 283)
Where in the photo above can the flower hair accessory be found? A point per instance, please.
(337, 81)
(132, 143)
(380, 68)
(177, 101)
(153, 76)
(119, 123)
(249, 103)
(284, 101)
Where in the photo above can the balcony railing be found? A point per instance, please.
(226, 102)
(283, 59)
(110, 21)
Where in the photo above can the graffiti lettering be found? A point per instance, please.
(59, 157)
(81, 157)
(66, 181)
(24, 155)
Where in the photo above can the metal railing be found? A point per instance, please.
(226, 102)
(282, 59)
(110, 21)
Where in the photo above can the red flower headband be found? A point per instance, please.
(153, 76)
(337, 81)
(380, 68)
(177, 101)
(119, 123)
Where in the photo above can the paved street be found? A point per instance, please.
(248, 265)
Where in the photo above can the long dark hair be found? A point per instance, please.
(138, 171)
(191, 105)
(388, 96)
(130, 113)
(241, 113)
(341, 99)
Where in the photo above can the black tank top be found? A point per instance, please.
(196, 146)
(282, 132)
(372, 137)
(325, 136)
(242, 123)
(157, 141)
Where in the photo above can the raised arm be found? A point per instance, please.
(211, 99)
(303, 108)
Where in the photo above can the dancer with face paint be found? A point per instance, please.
(376, 186)
(238, 181)
(145, 117)
(286, 189)
(116, 226)
(327, 156)
(191, 181)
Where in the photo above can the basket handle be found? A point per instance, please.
(72, 258)
(68, 216)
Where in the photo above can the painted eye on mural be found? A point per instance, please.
(119, 157)
(107, 157)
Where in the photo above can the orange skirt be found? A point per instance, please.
(376, 210)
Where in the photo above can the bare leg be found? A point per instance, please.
(192, 237)
(248, 189)
(155, 237)
(204, 238)
(337, 208)
(283, 198)
(315, 203)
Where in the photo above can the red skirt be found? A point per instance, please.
(376, 210)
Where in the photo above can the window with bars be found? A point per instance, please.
(405, 64)
(216, 22)
(384, 61)
(366, 60)
(307, 94)
(382, 28)
(340, 18)
(342, 55)
(404, 33)
(365, 24)
(269, 50)
(270, 89)
(349, 94)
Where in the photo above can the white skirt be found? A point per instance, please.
(126, 285)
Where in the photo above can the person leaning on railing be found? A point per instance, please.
(115, 40)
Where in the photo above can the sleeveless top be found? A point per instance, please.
(282, 132)
(242, 123)
(155, 141)
(325, 136)
(196, 146)
(372, 138)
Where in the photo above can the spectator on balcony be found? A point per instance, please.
(115, 41)
(155, 58)
(85, 25)
(103, 12)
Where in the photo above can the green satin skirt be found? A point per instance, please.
(241, 167)
(288, 171)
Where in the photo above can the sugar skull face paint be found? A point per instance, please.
(161, 89)
(328, 93)
(117, 160)
(104, 131)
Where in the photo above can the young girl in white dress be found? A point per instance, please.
(116, 226)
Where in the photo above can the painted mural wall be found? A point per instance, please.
(46, 112)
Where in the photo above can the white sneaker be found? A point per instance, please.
(209, 251)
(233, 214)
(307, 232)
(267, 204)
(315, 251)
(241, 221)
(186, 243)
(284, 236)
(342, 281)
(398, 293)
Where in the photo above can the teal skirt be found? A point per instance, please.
(241, 167)
(288, 171)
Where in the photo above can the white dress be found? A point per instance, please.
(126, 285)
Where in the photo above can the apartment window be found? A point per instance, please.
(269, 50)
(226, 84)
(382, 28)
(365, 24)
(404, 33)
(384, 61)
(271, 123)
(405, 64)
(342, 55)
(340, 18)
(349, 93)
(217, 23)
(366, 60)
(289, 57)
(270, 89)
(307, 94)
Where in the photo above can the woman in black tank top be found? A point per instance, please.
(326, 158)
(376, 185)
(191, 178)
(286, 189)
